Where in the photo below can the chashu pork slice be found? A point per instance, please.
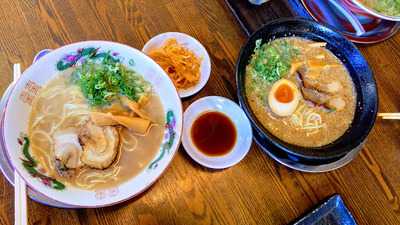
(100, 145)
(314, 96)
(312, 79)
(67, 149)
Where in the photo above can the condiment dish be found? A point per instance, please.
(193, 45)
(235, 114)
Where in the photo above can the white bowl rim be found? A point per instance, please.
(174, 148)
(207, 60)
(376, 13)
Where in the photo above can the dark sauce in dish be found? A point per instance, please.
(213, 134)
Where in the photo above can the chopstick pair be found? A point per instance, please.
(20, 207)
(389, 116)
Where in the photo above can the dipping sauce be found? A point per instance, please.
(213, 134)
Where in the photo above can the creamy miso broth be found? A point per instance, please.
(300, 92)
(91, 145)
(385, 7)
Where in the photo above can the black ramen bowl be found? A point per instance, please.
(361, 74)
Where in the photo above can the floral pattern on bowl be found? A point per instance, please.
(169, 139)
(17, 114)
(82, 54)
(33, 168)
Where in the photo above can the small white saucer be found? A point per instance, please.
(191, 44)
(239, 119)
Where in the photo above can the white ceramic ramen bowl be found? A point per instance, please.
(19, 106)
(191, 44)
(230, 109)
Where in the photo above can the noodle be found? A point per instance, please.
(307, 119)
(72, 106)
(42, 118)
(148, 130)
(65, 118)
(40, 132)
(54, 91)
(87, 179)
(125, 142)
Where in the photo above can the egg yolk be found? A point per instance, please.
(284, 93)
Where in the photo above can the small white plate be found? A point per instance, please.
(236, 115)
(190, 43)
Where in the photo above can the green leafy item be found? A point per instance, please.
(103, 79)
(387, 7)
(271, 61)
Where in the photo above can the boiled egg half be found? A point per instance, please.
(284, 97)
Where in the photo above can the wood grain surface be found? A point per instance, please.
(257, 190)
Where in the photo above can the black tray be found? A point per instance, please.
(330, 212)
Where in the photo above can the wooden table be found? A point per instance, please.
(256, 191)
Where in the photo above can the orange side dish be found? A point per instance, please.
(181, 64)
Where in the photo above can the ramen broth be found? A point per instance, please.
(61, 105)
(310, 125)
